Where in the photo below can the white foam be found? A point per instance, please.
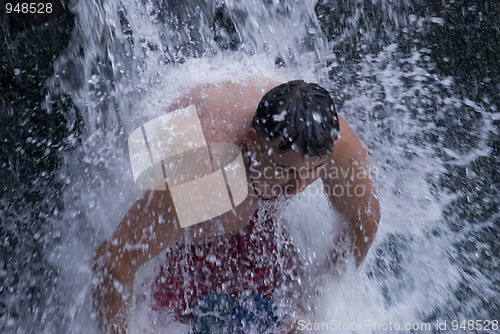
(408, 270)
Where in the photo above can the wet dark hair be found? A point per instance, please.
(302, 114)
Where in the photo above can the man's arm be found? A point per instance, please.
(349, 186)
(148, 228)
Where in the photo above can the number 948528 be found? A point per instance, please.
(28, 8)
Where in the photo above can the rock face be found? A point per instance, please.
(32, 129)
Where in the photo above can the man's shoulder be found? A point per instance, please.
(348, 145)
(226, 92)
(225, 108)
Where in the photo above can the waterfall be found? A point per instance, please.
(417, 80)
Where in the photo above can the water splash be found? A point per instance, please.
(127, 61)
(393, 97)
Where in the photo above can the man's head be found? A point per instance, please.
(293, 129)
(301, 115)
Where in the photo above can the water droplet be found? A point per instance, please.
(280, 117)
(317, 117)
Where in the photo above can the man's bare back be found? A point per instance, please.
(225, 111)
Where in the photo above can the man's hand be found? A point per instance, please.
(147, 229)
(111, 294)
(111, 299)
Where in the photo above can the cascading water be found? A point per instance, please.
(431, 129)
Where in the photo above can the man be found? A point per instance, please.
(293, 138)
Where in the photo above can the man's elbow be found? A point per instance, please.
(366, 234)
(101, 257)
(372, 220)
(374, 207)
